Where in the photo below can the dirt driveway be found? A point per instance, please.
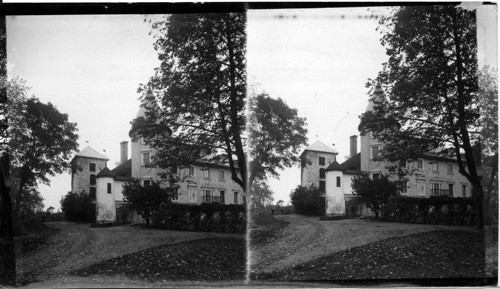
(308, 238)
(78, 245)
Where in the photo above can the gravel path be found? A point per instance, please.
(78, 245)
(308, 238)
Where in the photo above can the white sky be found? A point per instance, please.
(317, 60)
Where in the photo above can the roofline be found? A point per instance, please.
(335, 153)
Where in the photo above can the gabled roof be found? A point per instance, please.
(89, 152)
(320, 147)
(335, 166)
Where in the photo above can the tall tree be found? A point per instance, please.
(276, 133)
(432, 80)
(261, 195)
(41, 141)
(201, 90)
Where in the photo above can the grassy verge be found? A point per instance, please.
(264, 228)
(437, 254)
(211, 259)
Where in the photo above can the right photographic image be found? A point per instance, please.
(373, 145)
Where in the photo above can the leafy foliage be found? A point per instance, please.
(201, 89)
(261, 195)
(308, 200)
(41, 141)
(211, 217)
(432, 82)
(78, 207)
(147, 200)
(276, 133)
(374, 193)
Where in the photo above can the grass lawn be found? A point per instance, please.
(436, 254)
(209, 259)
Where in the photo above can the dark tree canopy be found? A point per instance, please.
(307, 200)
(200, 90)
(276, 133)
(375, 193)
(147, 200)
(432, 82)
(41, 141)
(261, 194)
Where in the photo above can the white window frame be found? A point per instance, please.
(192, 194)
(371, 151)
(421, 187)
(206, 173)
(235, 197)
(191, 171)
(450, 169)
(142, 157)
(143, 181)
(464, 190)
(420, 164)
(222, 176)
(372, 174)
(436, 185)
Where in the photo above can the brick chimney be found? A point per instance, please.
(123, 151)
(354, 145)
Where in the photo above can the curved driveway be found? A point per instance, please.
(308, 238)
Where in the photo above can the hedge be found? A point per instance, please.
(207, 217)
(442, 210)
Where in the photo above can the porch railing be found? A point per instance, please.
(210, 199)
(440, 192)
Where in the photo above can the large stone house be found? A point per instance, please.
(202, 182)
(431, 174)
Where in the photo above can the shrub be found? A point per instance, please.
(375, 193)
(78, 207)
(308, 200)
(212, 217)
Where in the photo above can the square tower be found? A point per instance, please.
(85, 166)
(314, 161)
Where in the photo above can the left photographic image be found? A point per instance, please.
(126, 141)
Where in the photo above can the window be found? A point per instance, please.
(338, 182)
(92, 179)
(146, 183)
(464, 191)
(192, 194)
(222, 197)
(420, 164)
(191, 171)
(321, 161)
(235, 197)
(221, 175)
(435, 167)
(92, 167)
(92, 192)
(109, 188)
(375, 152)
(421, 187)
(404, 188)
(375, 176)
(206, 173)
(450, 169)
(207, 195)
(450, 190)
(435, 189)
(321, 186)
(322, 173)
(146, 158)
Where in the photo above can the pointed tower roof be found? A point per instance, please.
(377, 94)
(89, 152)
(105, 173)
(335, 166)
(147, 101)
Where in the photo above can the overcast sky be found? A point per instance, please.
(317, 60)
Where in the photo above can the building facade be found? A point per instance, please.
(314, 161)
(202, 182)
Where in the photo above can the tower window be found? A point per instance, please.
(321, 186)
(321, 161)
(338, 182)
(92, 167)
(375, 150)
(109, 188)
(322, 173)
(146, 158)
(92, 179)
